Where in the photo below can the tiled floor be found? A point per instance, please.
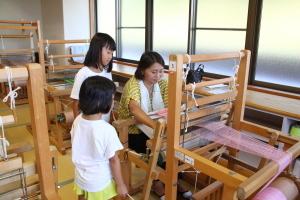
(17, 132)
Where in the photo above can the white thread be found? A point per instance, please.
(193, 93)
(47, 47)
(235, 68)
(195, 184)
(187, 69)
(2, 43)
(66, 105)
(4, 142)
(31, 40)
(12, 93)
(51, 63)
(186, 121)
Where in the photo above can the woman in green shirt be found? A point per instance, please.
(146, 92)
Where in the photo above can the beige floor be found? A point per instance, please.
(17, 132)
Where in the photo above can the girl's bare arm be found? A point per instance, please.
(116, 170)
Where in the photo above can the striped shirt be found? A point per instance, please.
(132, 91)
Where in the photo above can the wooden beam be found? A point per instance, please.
(19, 74)
(212, 169)
(40, 131)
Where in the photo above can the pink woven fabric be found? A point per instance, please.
(163, 113)
(270, 193)
(220, 133)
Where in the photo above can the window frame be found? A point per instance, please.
(251, 40)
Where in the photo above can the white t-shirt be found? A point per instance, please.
(93, 143)
(83, 74)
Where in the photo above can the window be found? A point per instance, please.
(278, 60)
(170, 31)
(268, 28)
(131, 29)
(220, 30)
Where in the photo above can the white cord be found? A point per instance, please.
(196, 179)
(193, 93)
(51, 63)
(2, 43)
(4, 142)
(66, 105)
(47, 47)
(12, 93)
(184, 74)
(235, 68)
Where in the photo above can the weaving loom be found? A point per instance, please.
(18, 57)
(219, 175)
(18, 179)
(231, 177)
(58, 83)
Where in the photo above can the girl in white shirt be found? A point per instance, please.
(95, 144)
(97, 62)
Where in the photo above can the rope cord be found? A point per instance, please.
(51, 62)
(3, 47)
(12, 93)
(187, 69)
(4, 143)
(235, 68)
(66, 105)
(193, 93)
(32, 46)
(47, 47)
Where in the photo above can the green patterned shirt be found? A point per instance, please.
(132, 91)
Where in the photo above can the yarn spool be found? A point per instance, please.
(282, 188)
(68, 116)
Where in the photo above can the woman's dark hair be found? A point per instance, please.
(95, 95)
(146, 61)
(94, 55)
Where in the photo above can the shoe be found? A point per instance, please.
(162, 197)
(187, 194)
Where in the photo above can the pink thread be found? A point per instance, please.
(270, 193)
(220, 133)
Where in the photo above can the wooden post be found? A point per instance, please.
(40, 131)
(173, 127)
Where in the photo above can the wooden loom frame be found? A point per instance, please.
(44, 160)
(230, 184)
(127, 157)
(25, 25)
(56, 94)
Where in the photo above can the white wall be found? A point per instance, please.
(60, 20)
(76, 20)
(15, 10)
